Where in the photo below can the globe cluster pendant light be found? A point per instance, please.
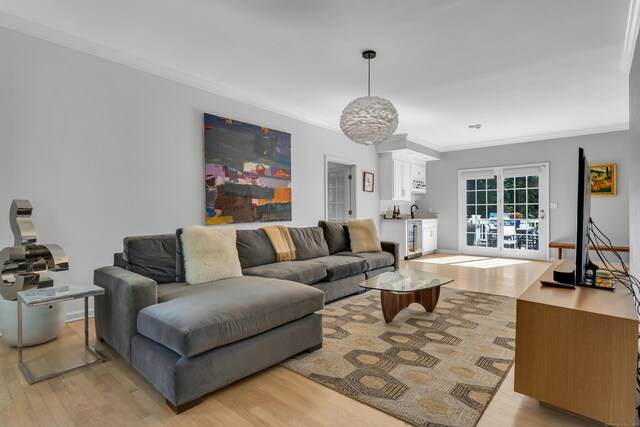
(369, 119)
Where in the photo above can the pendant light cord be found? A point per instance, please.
(369, 77)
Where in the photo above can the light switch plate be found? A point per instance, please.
(553, 205)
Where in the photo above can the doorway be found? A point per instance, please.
(340, 189)
(503, 211)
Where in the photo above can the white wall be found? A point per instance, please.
(634, 158)
(611, 214)
(104, 151)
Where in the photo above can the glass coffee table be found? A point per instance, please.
(402, 287)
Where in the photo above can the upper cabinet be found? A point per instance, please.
(400, 178)
(403, 167)
(418, 178)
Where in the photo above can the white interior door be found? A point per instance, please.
(503, 211)
(339, 191)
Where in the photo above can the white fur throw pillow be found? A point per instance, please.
(210, 254)
(364, 235)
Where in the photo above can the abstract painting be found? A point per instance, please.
(603, 179)
(247, 172)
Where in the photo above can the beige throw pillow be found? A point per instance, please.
(364, 235)
(210, 254)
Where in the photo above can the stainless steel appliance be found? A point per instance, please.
(414, 239)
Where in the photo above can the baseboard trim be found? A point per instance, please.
(77, 315)
(446, 251)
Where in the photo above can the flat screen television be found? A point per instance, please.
(585, 272)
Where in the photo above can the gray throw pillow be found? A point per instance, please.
(309, 242)
(254, 248)
(336, 236)
(151, 256)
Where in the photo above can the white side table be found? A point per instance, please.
(53, 295)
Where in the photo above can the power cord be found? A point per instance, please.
(597, 238)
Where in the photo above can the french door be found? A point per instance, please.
(503, 211)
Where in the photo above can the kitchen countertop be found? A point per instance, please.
(408, 218)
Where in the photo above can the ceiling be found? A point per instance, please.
(525, 70)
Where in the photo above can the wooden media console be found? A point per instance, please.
(577, 350)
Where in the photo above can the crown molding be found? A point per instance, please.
(61, 38)
(631, 35)
(539, 137)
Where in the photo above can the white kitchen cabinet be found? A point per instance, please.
(418, 178)
(402, 170)
(429, 235)
(395, 178)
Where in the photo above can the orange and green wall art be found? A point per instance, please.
(247, 172)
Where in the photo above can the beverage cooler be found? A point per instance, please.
(414, 239)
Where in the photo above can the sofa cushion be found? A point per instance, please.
(339, 267)
(374, 259)
(364, 235)
(309, 242)
(201, 318)
(152, 256)
(336, 236)
(306, 272)
(209, 254)
(254, 248)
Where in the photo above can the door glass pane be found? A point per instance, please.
(508, 183)
(521, 182)
(532, 181)
(481, 229)
(532, 196)
(492, 196)
(521, 196)
(471, 197)
(481, 197)
(509, 196)
(492, 183)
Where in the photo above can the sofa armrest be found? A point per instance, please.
(394, 249)
(116, 312)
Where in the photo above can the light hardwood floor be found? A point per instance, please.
(112, 394)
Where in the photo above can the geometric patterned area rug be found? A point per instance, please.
(428, 369)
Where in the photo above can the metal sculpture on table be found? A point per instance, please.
(25, 265)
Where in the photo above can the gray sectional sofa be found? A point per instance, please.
(323, 259)
(188, 341)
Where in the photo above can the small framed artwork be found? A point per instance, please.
(367, 182)
(603, 179)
